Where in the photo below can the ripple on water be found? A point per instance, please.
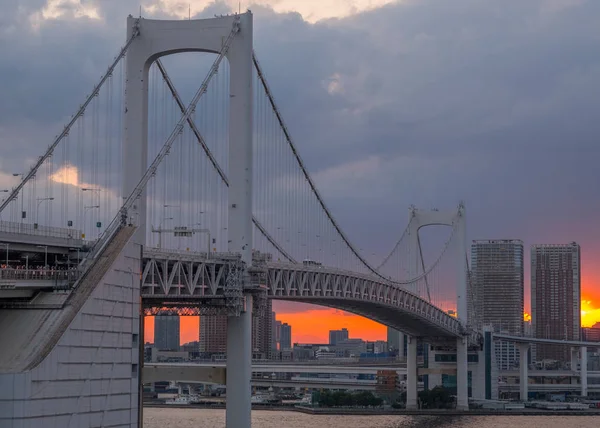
(211, 418)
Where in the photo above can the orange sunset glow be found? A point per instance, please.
(313, 325)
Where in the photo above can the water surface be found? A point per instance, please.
(215, 418)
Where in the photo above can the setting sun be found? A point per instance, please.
(590, 313)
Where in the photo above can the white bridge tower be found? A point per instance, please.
(163, 37)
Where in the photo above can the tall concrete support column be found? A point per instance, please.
(523, 371)
(239, 368)
(411, 374)
(239, 329)
(462, 375)
(583, 363)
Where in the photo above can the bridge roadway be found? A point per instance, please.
(549, 387)
(187, 279)
(548, 373)
(215, 373)
(184, 279)
(293, 368)
(26, 237)
(318, 383)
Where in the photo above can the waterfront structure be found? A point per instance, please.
(336, 336)
(555, 298)
(166, 332)
(286, 336)
(497, 284)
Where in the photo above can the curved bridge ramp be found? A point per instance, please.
(75, 365)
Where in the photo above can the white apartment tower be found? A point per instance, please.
(497, 281)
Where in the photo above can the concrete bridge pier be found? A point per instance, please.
(411, 374)
(462, 374)
(523, 369)
(239, 368)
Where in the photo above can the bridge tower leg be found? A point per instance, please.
(411, 374)
(462, 366)
(239, 329)
(523, 369)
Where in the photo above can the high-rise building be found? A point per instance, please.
(262, 331)
(166, 332)
(336, 336)
(286, 336)
(213, 334)
(555, 297)
(497, 292)
(276, 333)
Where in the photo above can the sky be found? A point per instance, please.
(391, 103)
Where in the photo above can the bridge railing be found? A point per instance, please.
(167, 253)
(39, 274)
(38, 230)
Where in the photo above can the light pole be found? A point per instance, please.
(45, 247)
(37, 210)
(95, 190)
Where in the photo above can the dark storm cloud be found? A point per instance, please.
(425, 102)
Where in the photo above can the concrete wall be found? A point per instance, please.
(90, 377)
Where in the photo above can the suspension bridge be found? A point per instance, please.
(152, 199)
